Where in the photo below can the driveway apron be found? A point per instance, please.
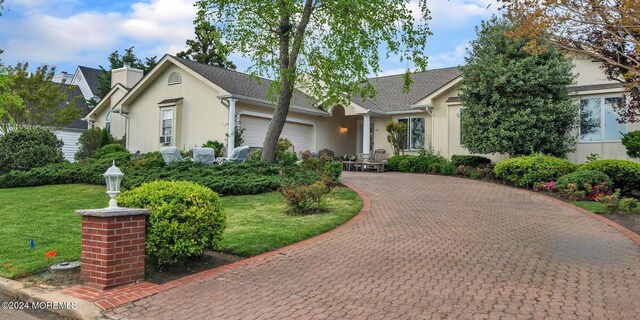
(431, 247)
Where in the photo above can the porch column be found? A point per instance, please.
(366, 136)
(232, 127)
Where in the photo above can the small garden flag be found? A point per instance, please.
(32, 244)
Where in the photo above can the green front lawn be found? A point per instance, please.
(44, 214)
(255, 224)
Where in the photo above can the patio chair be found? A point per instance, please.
(170, 154)
(238, 154)
(204, 155)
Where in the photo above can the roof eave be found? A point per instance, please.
(269, 104)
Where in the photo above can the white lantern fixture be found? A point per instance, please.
(113, 177)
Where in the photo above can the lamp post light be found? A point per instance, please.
(113, 177)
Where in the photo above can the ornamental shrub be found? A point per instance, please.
(105, 138)
(527, 170)
(186, 219)
(625, 174)
(592, 182)
(149, 160)
(470, 161)
(301, 199)
(26, 148)
(217, 146)
(110, 148)
(631, 140)
(89, 143)
(332, 170)
(394, 162)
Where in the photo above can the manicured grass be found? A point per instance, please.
(46, 215)
(596, 206)
(255, 224)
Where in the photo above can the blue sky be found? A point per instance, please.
(68, 33)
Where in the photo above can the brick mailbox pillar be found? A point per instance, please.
(112, 246)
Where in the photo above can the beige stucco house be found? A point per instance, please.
(184, 104)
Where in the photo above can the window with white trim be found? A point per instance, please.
(599, 119)
(166, 126)
(415, 133)
(107, 123)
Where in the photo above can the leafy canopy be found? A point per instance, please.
(515, 102)
(117, 60)
(335, 44)
(607, 31)
(43, 102)
(207, 47)
(9, 99)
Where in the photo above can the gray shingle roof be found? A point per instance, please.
(91, 76)
(80, 102)
(238, 83)
(390, 96)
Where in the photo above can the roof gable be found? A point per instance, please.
(91, 76)
(390, 96)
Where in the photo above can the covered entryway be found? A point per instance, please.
(255, 130)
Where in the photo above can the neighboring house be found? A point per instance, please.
(184, 103)
(87, 79)
(70, 133)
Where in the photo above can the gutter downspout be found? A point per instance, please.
(127, 122)
(231, 134)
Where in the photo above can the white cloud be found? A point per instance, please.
(449, 59)
(458, 14)
(155, 27)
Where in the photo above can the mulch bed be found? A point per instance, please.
(210, 260)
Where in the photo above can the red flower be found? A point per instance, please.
(50, 254)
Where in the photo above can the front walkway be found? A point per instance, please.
(431, 247)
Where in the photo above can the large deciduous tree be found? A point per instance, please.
(117, 60)
(605, 30)
(336, 44)
(207, 47)
(515, 102)
(43, 102)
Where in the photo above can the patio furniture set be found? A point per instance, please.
(378, 162)
(205, 155)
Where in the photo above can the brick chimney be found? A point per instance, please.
(126, 76)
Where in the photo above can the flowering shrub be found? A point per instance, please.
(583, 184)
(301, 199)
(610, 202)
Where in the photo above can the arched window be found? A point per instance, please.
(174, 78)
(108, 122)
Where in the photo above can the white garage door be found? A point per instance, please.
(255, 129)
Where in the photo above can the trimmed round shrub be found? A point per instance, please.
(631, 140)
(27, 148)
(186, 219)
(625, 174)
(470, 161)
(394, 162)
(527, 170)
(110, 148)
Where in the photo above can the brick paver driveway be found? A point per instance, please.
(431, 247)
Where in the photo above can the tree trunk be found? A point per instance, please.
(288, 61)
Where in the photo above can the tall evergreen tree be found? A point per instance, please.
(117, 60)
(207, 47)
(516, 102)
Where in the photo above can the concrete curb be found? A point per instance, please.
(83, 309)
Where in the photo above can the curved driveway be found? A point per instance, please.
(431, 247)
